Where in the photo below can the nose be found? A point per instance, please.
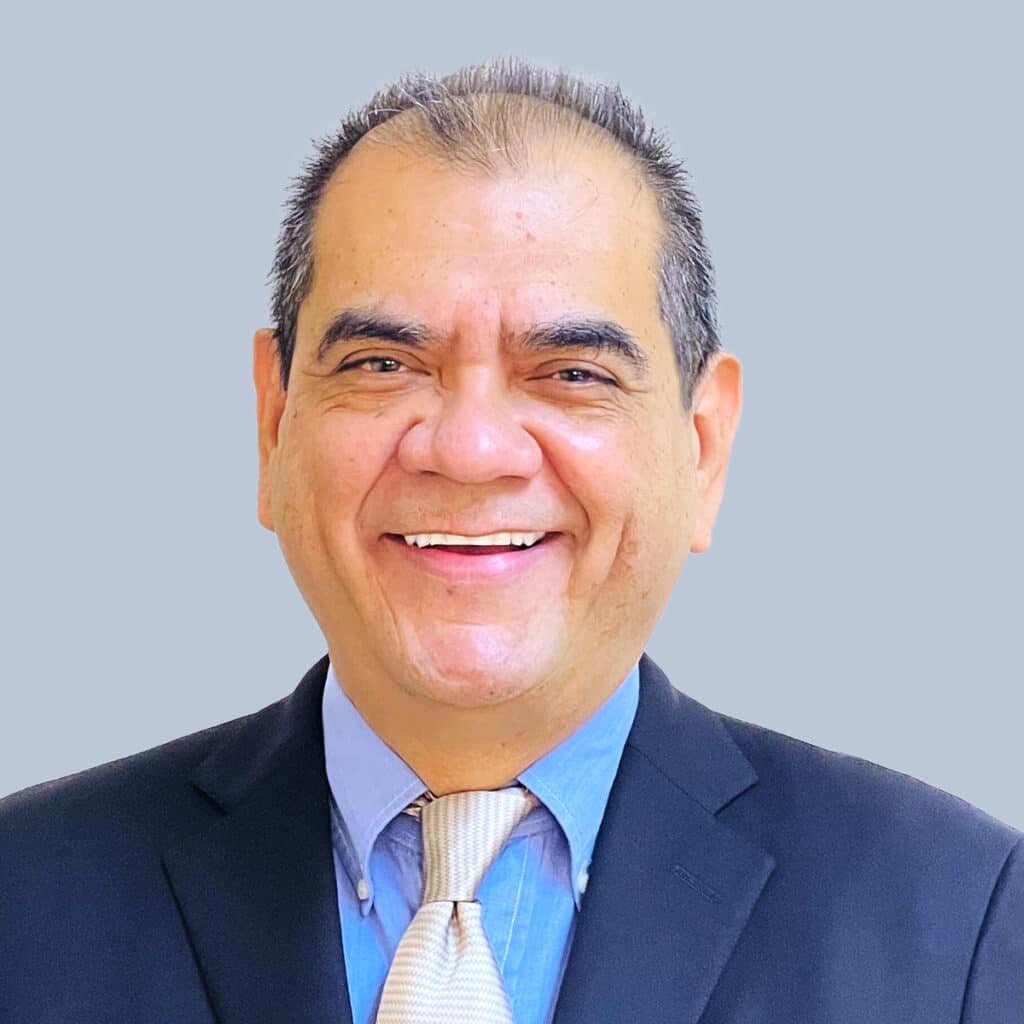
(472, 435)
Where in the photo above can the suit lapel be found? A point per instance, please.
(671, 887)
(257, 889)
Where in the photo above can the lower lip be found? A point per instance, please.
(455, 567)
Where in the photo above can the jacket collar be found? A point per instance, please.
(257, 889)
(671, 886)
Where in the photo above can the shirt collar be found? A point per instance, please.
(572, 781)
(369, 783)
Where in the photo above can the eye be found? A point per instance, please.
(374, 364)
(581, 375)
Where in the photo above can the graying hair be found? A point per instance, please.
(451, 118)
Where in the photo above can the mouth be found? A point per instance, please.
(492, 558)
(487, 544)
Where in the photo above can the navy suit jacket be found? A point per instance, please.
(739, 877)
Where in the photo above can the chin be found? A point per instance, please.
(471, 666)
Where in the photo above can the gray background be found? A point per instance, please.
(860, 171)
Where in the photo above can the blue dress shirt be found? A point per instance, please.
(531, 893)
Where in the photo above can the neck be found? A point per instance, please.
(456, 749)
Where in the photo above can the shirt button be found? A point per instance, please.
(581, 882)
(362, 889)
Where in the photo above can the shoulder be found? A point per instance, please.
(880, 868)
(864, 824)
(137, 802)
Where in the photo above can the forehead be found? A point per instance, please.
(400, 226)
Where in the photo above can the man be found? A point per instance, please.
(494, 417)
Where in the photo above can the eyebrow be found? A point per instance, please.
(594, 335)
(586, 333)
(351, 324)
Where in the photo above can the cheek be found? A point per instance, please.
(588, 454)
(606, 466)
(327, 465)
(610, 464)
(635, 487)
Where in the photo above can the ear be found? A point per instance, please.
(716, 415)
(270, 399)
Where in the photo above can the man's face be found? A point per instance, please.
(462, 368)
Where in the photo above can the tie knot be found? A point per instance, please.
(462, 835)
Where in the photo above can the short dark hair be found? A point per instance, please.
(450, 113)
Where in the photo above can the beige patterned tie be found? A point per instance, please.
(444, 971)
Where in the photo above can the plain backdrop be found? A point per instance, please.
(859, 167)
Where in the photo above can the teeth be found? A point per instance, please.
(423, 540)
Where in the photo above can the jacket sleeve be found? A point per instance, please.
(995, 984)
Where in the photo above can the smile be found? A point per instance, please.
(492, 557)
(488, 540)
